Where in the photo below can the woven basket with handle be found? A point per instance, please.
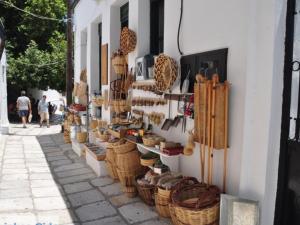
(195, 203)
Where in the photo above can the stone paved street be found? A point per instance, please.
(43, 181)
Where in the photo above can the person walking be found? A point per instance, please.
(24, 107)
(43, 111)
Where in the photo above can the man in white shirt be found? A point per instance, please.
(24, 107)
(43, 111)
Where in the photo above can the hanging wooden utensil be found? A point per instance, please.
(168, 122)
(226, 136)
(215, 80)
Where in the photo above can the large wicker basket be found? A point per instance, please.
(129, 161)
(130, 191)
(124, 148)
(195, 203)
(111, 163)
(111, 169)
(127, 178)
(146, 192)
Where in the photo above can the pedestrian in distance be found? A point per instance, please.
(43, 111)
(23, 107)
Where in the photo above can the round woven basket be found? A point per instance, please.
(119, 64)
(146, 192)
(148, 162)
(162, 205)
(195, 203)
(127, 40)
(165, 72)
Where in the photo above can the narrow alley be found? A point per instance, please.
(43, 181)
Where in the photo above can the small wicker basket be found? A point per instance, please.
(148, 162)
(119, 64)
(146, 192)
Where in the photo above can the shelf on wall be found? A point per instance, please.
(172, 161)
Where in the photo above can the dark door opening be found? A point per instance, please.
(287, 210)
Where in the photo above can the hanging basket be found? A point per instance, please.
(127, 40)
(165, 72)
(119, 64)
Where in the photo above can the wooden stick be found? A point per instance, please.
(204, 132)
(209, 129)
(225, 136)
(213, 109)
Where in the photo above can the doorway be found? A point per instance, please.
(287, 210)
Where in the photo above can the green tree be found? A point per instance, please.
(36, 47)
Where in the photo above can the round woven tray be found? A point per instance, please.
(127, 40)
(165, 72)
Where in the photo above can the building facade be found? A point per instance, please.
(4, 124)
(253, 32)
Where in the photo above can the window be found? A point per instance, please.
(156, 26)
(124, 11)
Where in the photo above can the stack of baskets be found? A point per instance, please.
(194, 203)
(128, 166)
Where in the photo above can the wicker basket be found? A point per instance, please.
(130, 191)
(163, 192)
(77, 120)
(129, 161)
(119, 64)
(127, 178)
(150, 142)
(148, 162)
(81, 137)
(111, 169)
(127, 40)
(124, 148)
(162, 205)
(173, 215)
(195, 203)
(146, 192)
(165, 72)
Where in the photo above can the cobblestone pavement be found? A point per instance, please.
(42, 181)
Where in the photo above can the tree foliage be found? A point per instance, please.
(37, 47)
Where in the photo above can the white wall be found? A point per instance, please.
(4, 124)
(253, 31)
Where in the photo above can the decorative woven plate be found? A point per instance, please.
(165, 72)
(127, 40)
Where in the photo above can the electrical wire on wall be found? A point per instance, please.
(179, 27)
